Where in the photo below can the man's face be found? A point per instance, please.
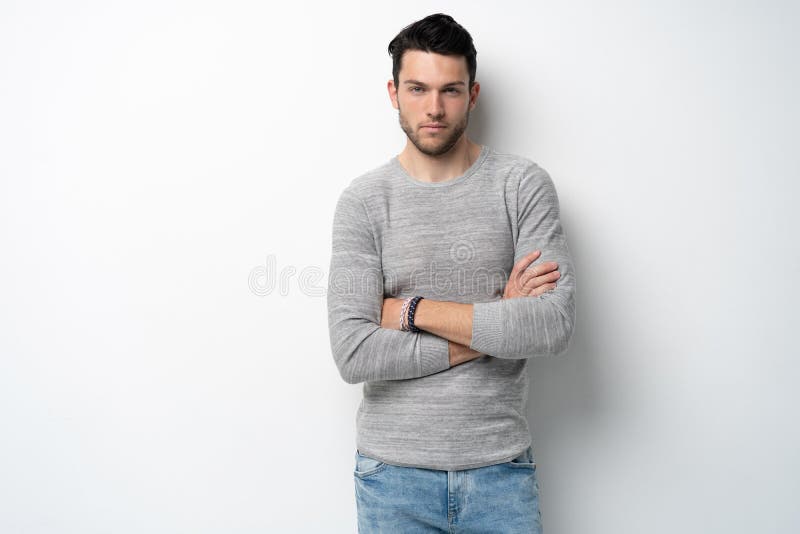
(433, 100)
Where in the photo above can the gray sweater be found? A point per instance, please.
(457, 240)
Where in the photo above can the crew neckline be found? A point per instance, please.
(395, 161)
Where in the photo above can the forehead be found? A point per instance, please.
(433, 68)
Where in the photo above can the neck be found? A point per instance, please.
(443, 167)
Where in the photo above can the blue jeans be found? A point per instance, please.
(501, 498)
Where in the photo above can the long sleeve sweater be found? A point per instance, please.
(455, 240)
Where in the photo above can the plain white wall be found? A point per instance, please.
(168, 177)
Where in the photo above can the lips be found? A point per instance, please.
(433, 126)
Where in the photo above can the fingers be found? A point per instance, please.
(538, 270)
(542, 268)
(532, 281)
(542, 289)
(523, 263)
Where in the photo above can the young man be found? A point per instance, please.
(436, 303)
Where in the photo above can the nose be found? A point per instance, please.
(435, 107)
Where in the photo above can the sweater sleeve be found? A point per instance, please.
(362, 350)
(532, 326)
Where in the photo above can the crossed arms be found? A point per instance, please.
(453, 320)
(366, 342)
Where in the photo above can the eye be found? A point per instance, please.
(453, 90)
(414, 89)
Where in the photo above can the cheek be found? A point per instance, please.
(411, 105)
(458, 105)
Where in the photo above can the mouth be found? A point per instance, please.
(433, 127)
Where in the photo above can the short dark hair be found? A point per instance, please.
(437, 33)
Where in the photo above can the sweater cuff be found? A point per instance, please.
(434, 354)
(486, 327)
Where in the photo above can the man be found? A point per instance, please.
(436, 303)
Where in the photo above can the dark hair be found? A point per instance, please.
(437, 33)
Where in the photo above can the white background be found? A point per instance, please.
(163, 163)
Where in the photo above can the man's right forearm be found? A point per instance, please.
(461, 353)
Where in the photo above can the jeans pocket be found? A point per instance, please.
(524, 460)
(367, 466)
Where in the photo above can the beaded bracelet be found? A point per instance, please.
(412, 308)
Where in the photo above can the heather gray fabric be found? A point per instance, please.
(456, 241)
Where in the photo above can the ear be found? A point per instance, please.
(473, 95)
(392, 93)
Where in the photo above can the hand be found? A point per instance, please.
(524, 282)
(390, 313)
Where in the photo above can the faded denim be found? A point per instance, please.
(501, 498)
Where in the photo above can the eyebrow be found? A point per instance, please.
(415, 82)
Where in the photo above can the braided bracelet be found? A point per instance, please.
(403, 326)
